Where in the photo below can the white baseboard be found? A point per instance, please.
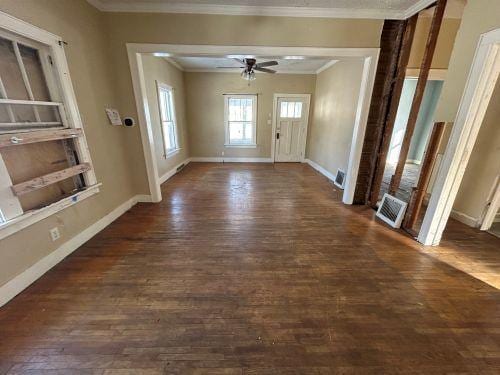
(173, 171)
(413, 161)
(27, 277)
(464, 218)
(321, 170)
(231, 160)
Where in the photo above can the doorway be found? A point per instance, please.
(291, 118)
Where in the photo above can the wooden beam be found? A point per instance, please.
(391, 44)
(419, 93)
(49, 179)
(381, 156)
(14, 139)
(418, 193)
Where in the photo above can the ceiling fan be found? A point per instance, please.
(250, 66)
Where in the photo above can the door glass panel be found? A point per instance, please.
(291, 109)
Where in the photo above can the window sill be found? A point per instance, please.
(240, 146)
(172, 153)
(31, 217)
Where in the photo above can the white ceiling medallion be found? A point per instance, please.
(384, 12)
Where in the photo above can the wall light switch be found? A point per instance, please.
(54, 234)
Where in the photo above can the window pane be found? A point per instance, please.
(36, 77)
(291, 109)
(298, 110)
(248, 131)
(10, 72)
(235, 109)
(166, 135)
(171, 136)
(235, 132)
(283, 110)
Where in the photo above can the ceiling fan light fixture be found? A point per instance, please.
(248, 75)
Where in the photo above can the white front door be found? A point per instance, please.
(291, 128)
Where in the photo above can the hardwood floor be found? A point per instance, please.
(258, 269)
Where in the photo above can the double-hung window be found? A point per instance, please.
(167, 118)
(240, 115)
(45, 163)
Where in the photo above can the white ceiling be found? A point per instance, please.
(382, 9)
(289, 65)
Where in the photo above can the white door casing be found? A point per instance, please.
(290, 130)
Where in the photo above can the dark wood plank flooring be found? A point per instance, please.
(259, 269)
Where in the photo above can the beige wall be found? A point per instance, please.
(484, 163)
(479, 16)
(444, 46)
(331, 129)
(82, 27)
(206, 109)
(158, 69)
(220, 30)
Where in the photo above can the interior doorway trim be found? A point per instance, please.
(493, 204)
(134, 51)
(276, 97)
(475, 99)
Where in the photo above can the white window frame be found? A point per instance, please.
(168, 152)
(227, 97)
(71, 118)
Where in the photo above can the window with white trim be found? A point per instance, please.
(44, 158)
(240, 117)
(167, 118)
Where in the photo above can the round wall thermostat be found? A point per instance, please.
(128, 121)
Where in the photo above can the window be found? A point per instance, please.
(291, 110)
(45, 165)
(167, 118)
(240, 114)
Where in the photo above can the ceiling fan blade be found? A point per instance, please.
(266, 63)
(239, 60)
(230, 67)
(265, 70)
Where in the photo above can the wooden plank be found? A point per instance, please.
(48, 179)
(380, 158)
(29, 102)
(390, 44)
(418, 193)
(419, 93)
(15, 139)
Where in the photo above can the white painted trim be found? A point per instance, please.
(276, 97)
(16, 285)
(249, 10)
(32, 217)
(326, 66)
(417, 7)
(479, 88)
(434, 74)
(370, 56)
(145, 124)
(492, 205)
(321, 170)
(173, 171)
(464, 218)
(238, 71)
(358, 136)
(211, 159)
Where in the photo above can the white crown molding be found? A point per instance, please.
(326, 66)
(247, 10)
(238, 71)
(417, 7)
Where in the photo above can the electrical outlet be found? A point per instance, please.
(54, 234)
(222, 153)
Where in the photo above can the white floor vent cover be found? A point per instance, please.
(392, 210)
(340, 178)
